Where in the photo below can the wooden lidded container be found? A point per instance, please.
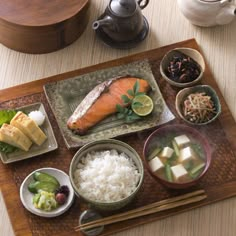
(41, 26)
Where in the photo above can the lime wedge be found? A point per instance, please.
(142, 105)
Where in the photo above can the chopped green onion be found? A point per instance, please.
(168, 173)
(176, 148)
(154, 153)
(197, 170)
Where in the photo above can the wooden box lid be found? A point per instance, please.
(41, 26)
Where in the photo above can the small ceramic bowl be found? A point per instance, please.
(208, 90)
(103, 145)
(26, 196)
(193, 54)
(163, 137)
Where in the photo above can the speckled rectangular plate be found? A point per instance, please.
(49, 145)
(64, 96)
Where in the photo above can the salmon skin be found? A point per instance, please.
(101, 102)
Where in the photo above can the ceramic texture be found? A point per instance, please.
(194, 54)
(182, 95)
(175, 130)
(124, 44)
(107, 144)
(26, 196)
(49, 145)
(64, 96)
(208, 13)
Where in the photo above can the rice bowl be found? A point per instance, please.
(106, 173)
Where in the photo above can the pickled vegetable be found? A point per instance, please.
(36, 187)
(44, 177)
(45, 201)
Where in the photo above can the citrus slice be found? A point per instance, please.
(142, 105)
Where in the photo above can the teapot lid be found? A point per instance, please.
(123, 8)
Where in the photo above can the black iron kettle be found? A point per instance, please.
(122, 20)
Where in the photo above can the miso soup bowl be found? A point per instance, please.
(102, 145)
(156, 138)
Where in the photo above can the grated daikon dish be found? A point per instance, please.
(106, 176)
(37, 116)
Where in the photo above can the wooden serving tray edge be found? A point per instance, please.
(8, 187)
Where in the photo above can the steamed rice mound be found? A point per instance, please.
(106, 176)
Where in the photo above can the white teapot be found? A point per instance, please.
(208, 12)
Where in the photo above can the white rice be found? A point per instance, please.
(37, 116)
(106, 176)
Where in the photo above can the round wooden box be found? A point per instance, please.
(41, 26)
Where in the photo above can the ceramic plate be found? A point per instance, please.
(35, 150)
(64, 96)
(26, 196)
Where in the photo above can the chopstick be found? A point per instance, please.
(146, 210)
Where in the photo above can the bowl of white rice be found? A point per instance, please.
(106, 173)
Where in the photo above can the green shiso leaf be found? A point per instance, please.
(7, 148)
(136, 87)
(119, 108)
(126, 112)
(125, 99)
(131, 92)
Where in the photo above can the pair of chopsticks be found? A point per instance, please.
(146, 210)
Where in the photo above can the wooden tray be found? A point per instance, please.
(219, 182)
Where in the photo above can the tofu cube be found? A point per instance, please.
(166, 152)
(182, 140)
(186, 155)
(180, 173)
(156, 164)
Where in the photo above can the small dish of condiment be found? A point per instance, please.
(198, 105)
(42, 191)
(182, 67)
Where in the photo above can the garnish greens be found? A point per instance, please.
(126, 112)
(5, 117)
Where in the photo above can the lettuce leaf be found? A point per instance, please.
(6, 116)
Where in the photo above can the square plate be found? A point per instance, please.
(35, 150)
(64, 96)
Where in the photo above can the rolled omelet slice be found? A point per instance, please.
(29, 128)
(13, 136)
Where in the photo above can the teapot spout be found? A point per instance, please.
(226, 15)
(101, 23)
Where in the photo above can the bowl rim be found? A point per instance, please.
(39, 212)
(207, 149)
(178, 84)
(106, 141)
(197, 87)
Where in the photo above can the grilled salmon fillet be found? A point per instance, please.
(101, 102)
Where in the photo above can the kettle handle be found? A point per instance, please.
(143, 5)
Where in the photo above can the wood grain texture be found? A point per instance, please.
(41, 26)
(15, 174)
(167, 25)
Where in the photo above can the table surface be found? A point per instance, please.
(167, 26)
